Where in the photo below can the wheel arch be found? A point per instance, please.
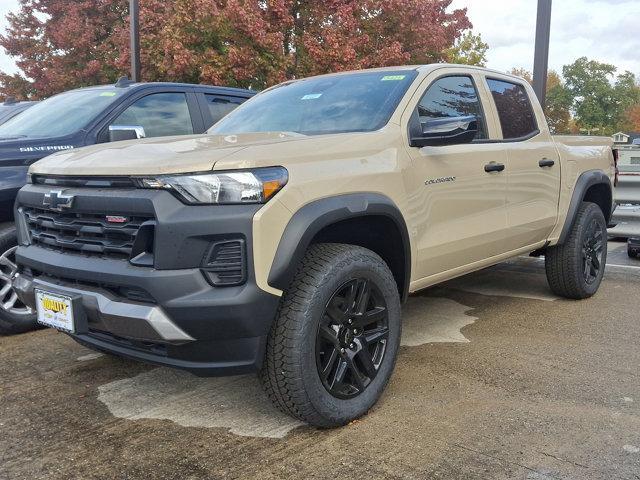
(591, 186)
(370, 220)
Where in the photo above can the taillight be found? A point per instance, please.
(615, 163)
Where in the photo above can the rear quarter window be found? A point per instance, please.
(517, 118)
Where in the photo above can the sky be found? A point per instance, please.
(603, 30)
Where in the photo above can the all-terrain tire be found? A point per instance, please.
(11, 323)
(568, 272)
(290, 375)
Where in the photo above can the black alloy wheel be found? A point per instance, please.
(592, 250)
(352, 338)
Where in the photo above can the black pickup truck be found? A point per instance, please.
(88, 116)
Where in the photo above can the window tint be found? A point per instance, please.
(452, 97)
(514, 109)
(219, 105)
(160, 114)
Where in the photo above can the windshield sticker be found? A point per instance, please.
(108, 94)
(311, 96)
(392, 78)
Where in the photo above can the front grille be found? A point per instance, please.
(84, 233)
(135, 294)
(83, 182)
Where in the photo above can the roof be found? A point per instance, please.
(139, 85)
(632, 137)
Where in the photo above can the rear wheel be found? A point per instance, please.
(15, 316)
(575, 268)
(333, 346)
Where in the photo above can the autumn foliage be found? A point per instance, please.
(61, 44)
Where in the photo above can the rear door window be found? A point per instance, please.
(220, 105)
(160, 114)
(514, 109)
(454, 96)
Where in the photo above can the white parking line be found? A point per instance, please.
(632, 267)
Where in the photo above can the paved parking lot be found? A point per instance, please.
(496, 378)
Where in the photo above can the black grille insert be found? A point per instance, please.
(85, 233)
(225, 263)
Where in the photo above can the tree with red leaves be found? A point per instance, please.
(62, 44)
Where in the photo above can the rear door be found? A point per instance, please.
(533, 168)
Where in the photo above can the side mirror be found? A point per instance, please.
(125, 132)
(442, 131)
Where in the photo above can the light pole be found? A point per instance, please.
(134, 26)
(541, 56)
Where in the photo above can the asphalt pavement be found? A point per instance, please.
(497, 378)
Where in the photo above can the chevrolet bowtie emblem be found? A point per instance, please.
(56, 200)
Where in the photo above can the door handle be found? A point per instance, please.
(493, 167)
(546, 162)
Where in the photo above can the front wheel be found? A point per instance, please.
(333, 346)
(15, 317)
(575, 268)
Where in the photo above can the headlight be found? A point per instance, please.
(234, 186)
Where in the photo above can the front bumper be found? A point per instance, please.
(169, 313)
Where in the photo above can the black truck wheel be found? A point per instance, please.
(15, 317)
(575, 268)
(333, 345)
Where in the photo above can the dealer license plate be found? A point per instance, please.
(55, 311)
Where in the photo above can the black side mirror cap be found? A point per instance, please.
(442, 131)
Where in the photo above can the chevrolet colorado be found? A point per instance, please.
(285, 240)
(87, 116)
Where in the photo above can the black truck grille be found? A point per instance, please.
(84, 233)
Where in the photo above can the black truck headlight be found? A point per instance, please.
(225, 187)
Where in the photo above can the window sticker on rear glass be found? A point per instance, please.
(392, 78)
(108, 94)
(311, 96)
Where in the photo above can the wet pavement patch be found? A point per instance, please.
(235, 403)
(434, 320)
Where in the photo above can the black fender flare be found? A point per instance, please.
(585, 181)
(314, 216)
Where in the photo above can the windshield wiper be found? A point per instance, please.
(13, 137)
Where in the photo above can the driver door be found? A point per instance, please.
(458, 208)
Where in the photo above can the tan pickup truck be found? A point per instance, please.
(285, 240)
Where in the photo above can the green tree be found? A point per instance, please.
(600, 100)
(469, 49)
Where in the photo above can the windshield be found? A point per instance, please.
(60, 115)
(355, 102)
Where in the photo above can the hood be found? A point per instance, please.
(155, 156)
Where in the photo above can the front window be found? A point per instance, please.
(353, 102)
(160, 114)
(62, 114)
(454, 96)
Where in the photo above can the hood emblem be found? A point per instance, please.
(56, 200)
